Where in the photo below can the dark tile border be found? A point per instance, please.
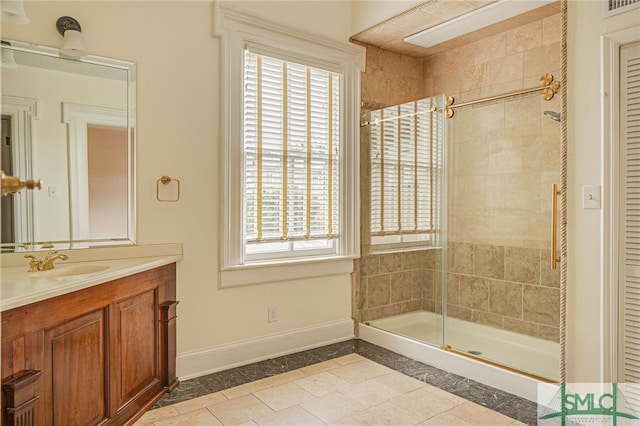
(517, 408)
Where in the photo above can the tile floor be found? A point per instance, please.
(350, 383)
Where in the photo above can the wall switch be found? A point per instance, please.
(53, 191)
(591, 197)
(273, 313)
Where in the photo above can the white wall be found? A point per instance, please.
(586, 350)
(178, 134)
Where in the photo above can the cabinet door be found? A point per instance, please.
(75, 354)
(136, 343)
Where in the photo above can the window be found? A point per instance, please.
(291, 151)
(406, 163)
(291, 133)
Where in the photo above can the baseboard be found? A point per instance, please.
(219, 358)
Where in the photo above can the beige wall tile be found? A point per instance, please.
(413, 259)
(524, 38)
(549, 333)
(552, 29)
(390, 262)
(506, 298)
(474, 293)
(456, 311)
(490, 48)
(401, 286)
(549, 277)
(522, 327)
(460, 258)
(486, 318)
(488, 261)
(474, 77)
(428, 291)
(453, 289)
(370, 265)
(429, 305)
(507, 69)
(522, 265)
(378, 291)
(541, 304)
(541, 60)
(418, 278)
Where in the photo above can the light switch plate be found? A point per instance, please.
(591, 197)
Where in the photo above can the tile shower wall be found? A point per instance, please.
(511, 288)
(502, 160)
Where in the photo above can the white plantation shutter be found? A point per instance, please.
(291, 133)
(406, 164)
(629, 337)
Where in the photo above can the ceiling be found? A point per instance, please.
(390, 34)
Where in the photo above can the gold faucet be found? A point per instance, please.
(46, 263)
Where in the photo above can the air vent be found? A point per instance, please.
(613, 7)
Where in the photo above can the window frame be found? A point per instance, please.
(237, 29)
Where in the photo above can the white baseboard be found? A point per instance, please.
(219, 358)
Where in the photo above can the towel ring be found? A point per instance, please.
(166, 180)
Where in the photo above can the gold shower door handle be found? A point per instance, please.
(554, 225)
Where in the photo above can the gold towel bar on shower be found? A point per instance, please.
(166, 180)
(549, 87)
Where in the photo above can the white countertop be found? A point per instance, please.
(20, 287)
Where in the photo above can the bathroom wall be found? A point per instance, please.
(502, 159)
(179, 134)
(591, 274)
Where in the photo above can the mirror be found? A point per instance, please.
(71, 124)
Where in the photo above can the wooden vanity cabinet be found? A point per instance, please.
(98, 356)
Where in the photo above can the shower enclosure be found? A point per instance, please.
(456, 225)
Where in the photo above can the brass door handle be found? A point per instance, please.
(554, 225)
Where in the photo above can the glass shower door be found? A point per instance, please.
(502, 297)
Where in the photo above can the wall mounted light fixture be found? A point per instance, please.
(8, 60)
(70, 29)
(13, 11)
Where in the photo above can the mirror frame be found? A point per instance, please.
(76, 118)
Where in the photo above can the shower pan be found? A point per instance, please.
(475, 278)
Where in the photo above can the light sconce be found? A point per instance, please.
(8, 60)
(13, 11)
(72, 46)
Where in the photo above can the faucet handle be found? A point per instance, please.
(34, 264)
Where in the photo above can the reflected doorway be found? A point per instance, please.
(8, 236)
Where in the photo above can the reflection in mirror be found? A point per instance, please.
(71, 124)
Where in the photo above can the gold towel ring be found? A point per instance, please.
(166, 180)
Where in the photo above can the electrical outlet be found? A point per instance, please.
(273, 313)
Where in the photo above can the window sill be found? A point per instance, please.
(237, 276)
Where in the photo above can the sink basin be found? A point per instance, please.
(70, 270)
